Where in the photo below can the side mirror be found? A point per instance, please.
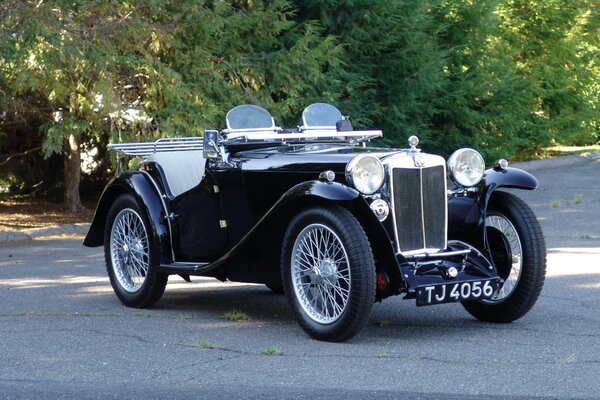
(210, 144)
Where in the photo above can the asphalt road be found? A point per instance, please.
(64, 334)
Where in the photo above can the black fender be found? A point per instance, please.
(466, 214)
(332, 191)
(147, 193)
(509, 178)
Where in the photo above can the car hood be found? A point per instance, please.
(307, 158)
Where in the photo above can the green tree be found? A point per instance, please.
(392, 68)
(508, 77)
(556, 48)
(73, 57)
(482, 102)
(154, 68)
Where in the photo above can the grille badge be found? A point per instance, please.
(419, 160)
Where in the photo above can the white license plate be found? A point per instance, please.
(456, 291)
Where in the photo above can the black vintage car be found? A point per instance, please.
(317, 214)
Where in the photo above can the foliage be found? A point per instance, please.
(508, 77)
(392, 62)
(153, 68)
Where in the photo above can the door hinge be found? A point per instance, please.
(223, 223)
(215, 189)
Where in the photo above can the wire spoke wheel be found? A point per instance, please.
(131, 257)
(515, 251)
(517, 248)
(328, 272)
(320, 273)
(129, 250)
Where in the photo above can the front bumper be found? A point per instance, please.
(459, 263)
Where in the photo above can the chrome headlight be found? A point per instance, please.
(466, 167)
(365, 172)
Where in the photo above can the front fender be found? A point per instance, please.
(146, 192)
(466, 215)
(509, 178)
(332, 191)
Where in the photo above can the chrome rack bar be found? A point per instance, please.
(142, 149)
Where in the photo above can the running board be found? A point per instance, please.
(182, 268)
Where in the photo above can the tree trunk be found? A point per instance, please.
(72, 171)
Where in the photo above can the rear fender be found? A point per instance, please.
(141, 185)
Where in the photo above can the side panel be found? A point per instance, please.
(257, 257)
(196, 226)
(141, 186)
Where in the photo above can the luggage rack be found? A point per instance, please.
(195, 143)
(144, 149)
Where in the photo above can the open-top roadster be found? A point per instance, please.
(317, 214)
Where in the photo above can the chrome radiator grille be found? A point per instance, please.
(420, 208)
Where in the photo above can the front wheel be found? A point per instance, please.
(328, 273)
(131, 258)
(517, 248)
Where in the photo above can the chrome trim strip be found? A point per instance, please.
(422, 206)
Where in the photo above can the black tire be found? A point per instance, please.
(130, 256)
(340, 270)
(511, 224)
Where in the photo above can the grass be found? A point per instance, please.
(569, 360)
(236, 315)
(204, 344)
(271, 351)
(569, 150)
(584, 236)
(577, 199)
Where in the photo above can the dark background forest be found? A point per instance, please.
(507, 77)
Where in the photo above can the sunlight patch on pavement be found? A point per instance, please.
(177, 284)
(588, 286)
(38, 283)
(567, 261)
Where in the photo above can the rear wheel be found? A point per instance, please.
(517, 248)
(131, 258)
(328, 273)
